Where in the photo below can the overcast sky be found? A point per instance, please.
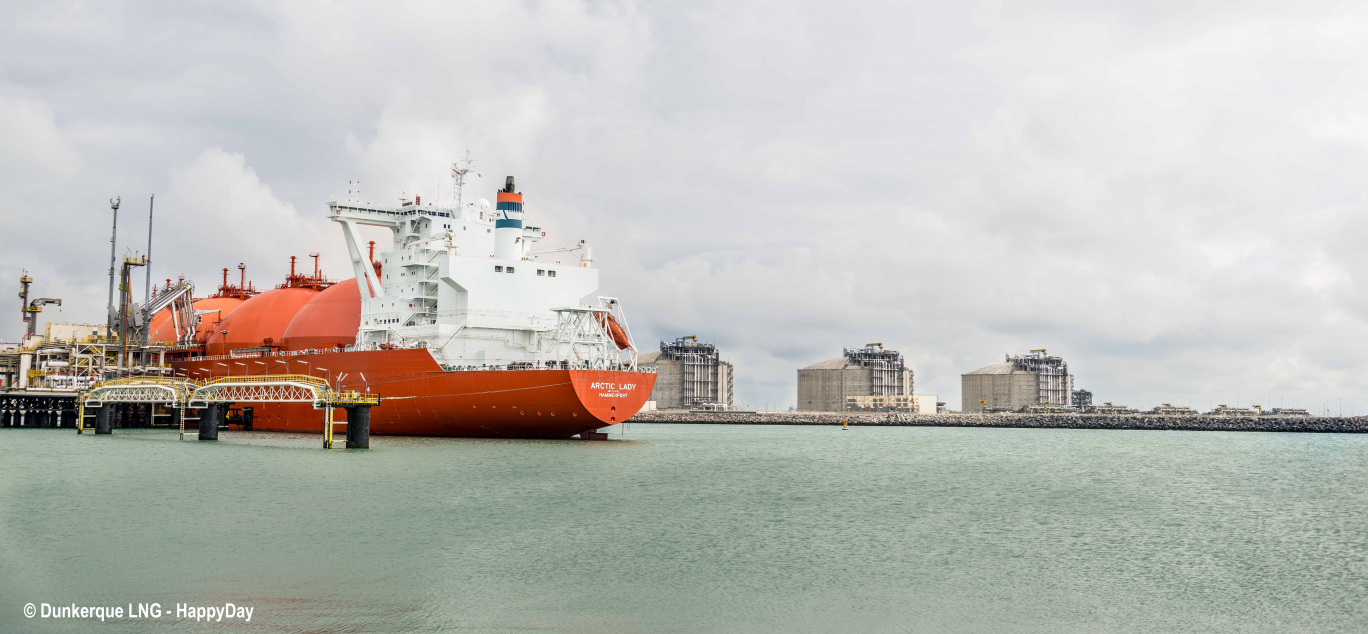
(1172, 198)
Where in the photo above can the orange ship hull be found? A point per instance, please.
(419, 398)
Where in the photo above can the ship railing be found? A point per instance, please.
(611, 367)
(276, 353)
(509, 364)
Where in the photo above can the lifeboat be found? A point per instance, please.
(611, 324)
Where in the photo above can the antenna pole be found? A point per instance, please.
(114, 233)
(147, 282)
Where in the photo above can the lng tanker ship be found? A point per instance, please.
(460, 326)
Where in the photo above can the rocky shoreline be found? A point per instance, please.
(1311, 424)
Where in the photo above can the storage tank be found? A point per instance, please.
(689, 374)
(164, 330)
(259, 321)
(1018, 382)
(826, 386)
(330, 319)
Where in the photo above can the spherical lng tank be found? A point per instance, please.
(330, 319)
(259, 321)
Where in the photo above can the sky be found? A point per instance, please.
(1169, 196)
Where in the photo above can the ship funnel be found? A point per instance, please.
(508, 224)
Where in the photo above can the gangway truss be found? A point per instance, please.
(182, 394)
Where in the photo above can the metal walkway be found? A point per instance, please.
(187, 393)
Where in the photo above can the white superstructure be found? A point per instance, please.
(464, 283)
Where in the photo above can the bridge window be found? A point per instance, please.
(550, 273)
(510, 269)
(498, 268)
(541, 272)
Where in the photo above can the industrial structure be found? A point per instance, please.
(1022, 381)
(1169, 409)
(846, 382)
(43, 374)
(889, 403)
(1083, 399)
(689, 375)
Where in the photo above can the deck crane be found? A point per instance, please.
(32, 308)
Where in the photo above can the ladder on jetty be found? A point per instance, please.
(183, 394)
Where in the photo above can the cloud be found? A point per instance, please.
(30, 140)
(217, 213)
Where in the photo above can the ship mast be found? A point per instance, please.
(458, 173)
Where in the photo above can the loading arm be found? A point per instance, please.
(36, 306)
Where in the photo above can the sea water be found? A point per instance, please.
(675, 528)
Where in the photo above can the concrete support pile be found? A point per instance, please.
(358, 427)
(103, 416)
(210, 418)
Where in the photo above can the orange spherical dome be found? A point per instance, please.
(330, 319)
(223, 306)
(259, 321)
(163, 329)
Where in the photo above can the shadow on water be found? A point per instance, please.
(297, 441)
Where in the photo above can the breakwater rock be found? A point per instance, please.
(1318, 424)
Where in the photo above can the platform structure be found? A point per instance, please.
(213, 397)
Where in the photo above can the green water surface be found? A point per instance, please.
(695, 529)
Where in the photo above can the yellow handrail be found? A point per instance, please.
(147, 380)
(269, 378)
(326, 391)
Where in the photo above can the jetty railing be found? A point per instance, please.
(213, 397)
